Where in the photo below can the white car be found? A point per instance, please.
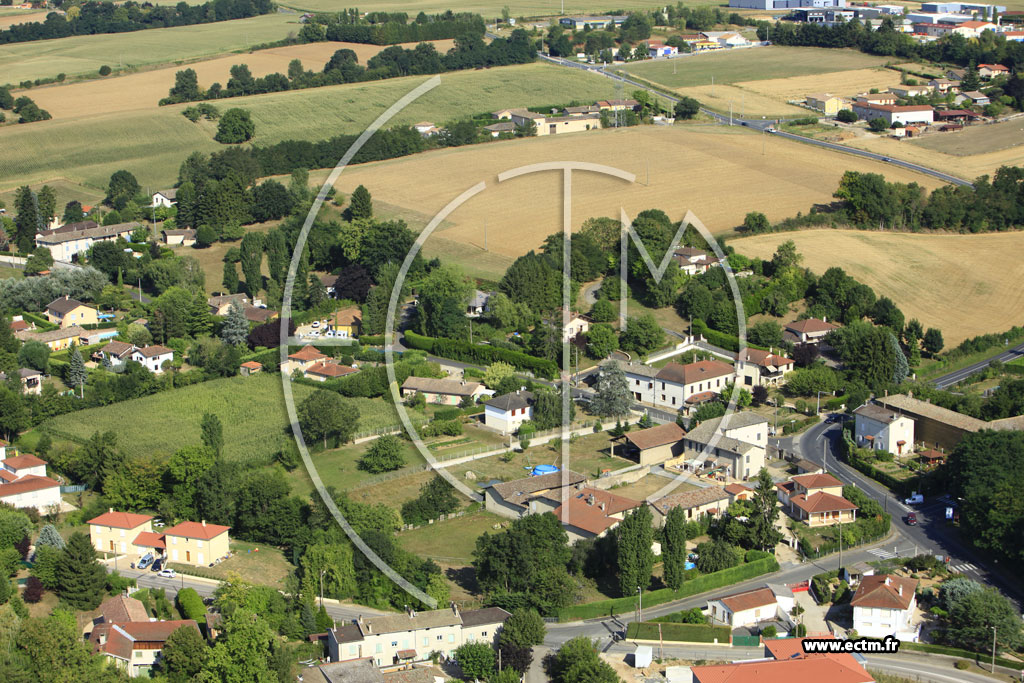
(167, 573)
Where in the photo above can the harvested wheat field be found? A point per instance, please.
(963, 284)
(976, 139)
(744, 103)
(719, 173)
(966, 167)
(144, 90)
(9, 20)
(842, 83)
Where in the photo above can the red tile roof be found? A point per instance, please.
(812, 324)
(822, 502)
(694, 372)
(29, 482)
(736, 489)
(883, 591)
(150, 539)
(307, 353)
(765, 358)
(156, 631)
(789, 671)
(18, 325)
(584, 516)
(121, 520)
(202, 531)
(252, 365)
(122, 608)
(740, 602)
(7, 476)
(154, 351)
(662, 435)
(701, 397)
(22, 461)
(613, 503)
(325, 369)
(817, 481)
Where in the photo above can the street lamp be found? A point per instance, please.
(818, 410)
(640, 604)
(322, 572)
(993, 649)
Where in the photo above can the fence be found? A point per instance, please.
(76, 488)
(746, 641)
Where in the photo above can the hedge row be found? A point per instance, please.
(372, 340)
(454, 349)
(720, 339)
(685, 633)
(700, 584)
(791, 427)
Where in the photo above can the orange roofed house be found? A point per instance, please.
(196, 543)
(816, 499)
(884, 605)
(786, 663)
(809, 331)
(591, 513)
(116, 532)
(302, 359)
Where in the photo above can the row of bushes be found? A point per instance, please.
(473, 353)
(720, 339)
(441, 428)
(791, 427)
(700, 584)
(685, 633)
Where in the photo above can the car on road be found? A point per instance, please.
(915, 499)
(886, 159)
(912, 519)
(167, 573)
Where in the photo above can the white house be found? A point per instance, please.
(70, 239)
(30, 491)
(681, 386)
(884, 605)
(23, 465)
(763, 368)
(883, 429)
(164, 199)
(426, 128)
(808, 331)
(153, 357)
(640, 378)
(508, 412)
(655, 49)
(739, 446)
(117, 352)
(892, 113)
(752, 607)
(693, 261)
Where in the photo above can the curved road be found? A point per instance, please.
(760, 124)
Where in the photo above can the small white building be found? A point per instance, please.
(24, 465)
(153, 357)
(752, 607)
(164, 199)
(24, 484)
(884, 606)
(883, 429)
(508, 412)
(763, 368)
(892, 113)
(117, 352)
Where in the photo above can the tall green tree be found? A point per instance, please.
(383, 455)
(360, 205)
(524, 629)
(634, 557)
(613, 397)
(52, 651)
(235, 126)
(77, 375)
(673, 548)
(212, 433)
(577, 661)
(252, 260)
(14, 413)
(642, 334)
(27, 220)
(933, 342)
(81, 579)
(230, 280)
(325, 414)
(184, 654)
(766, 512)
(121, 189)
(476, 660)
(47, 200)
(235, 329)
(243, 653)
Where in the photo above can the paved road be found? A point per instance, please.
(931, 534)
(760, 124)
(956, 376)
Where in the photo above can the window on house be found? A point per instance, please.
(380, 648)
(426, 641)
(352, 649)
(394, 643)
(451, 637)
(440, 637)
(483, 634)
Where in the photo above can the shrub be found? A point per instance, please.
(104, 70)
(962, 664)
(235, 126)
(190, 604)
(769, 631)
(847, 116)
(33, 590)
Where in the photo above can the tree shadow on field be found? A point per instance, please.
(464, 578)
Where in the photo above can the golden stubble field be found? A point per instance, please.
(965, 285)
(718, 173)
(144, 90)
(967, 167)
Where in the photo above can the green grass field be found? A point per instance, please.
(338, 467)
(152, 144)
(975, 139)
(451, 541)
(250, 408)
(86, 54)
(735, 66)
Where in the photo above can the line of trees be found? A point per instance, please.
(24, 106)
(91, 18)
(383, 28)
(469, 52)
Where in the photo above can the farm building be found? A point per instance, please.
(661, 50)
(185, 237)
(578, 23)
(827, 104)
(891, 113)
(530, 495)
(656, 444)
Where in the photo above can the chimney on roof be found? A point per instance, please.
(66, 297)
(602, 507)
(888, 580)
(591, 499)
(359, 619)
(204, 522)
(455, 608)
(824, 318)
(110, 509)
(900, 589)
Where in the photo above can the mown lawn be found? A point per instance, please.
(453, 540)
(255, 562)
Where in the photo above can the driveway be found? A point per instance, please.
(814, 614)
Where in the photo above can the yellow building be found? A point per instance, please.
(56, 340)
(116, 532)
(347, 323)
(196, 543)
(66, 312)
(827, 104)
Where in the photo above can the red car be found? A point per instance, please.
(912, 519)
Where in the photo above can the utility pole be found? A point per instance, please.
(712, 85)
(322, 572)
(485, 234)
(730, 112)
(640, 604)
(840, 525)
(993, 649)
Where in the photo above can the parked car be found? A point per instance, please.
(158, 522)
(144, 562)
(912, 519)
(167, 573)
(159, 563)
(915, 499)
